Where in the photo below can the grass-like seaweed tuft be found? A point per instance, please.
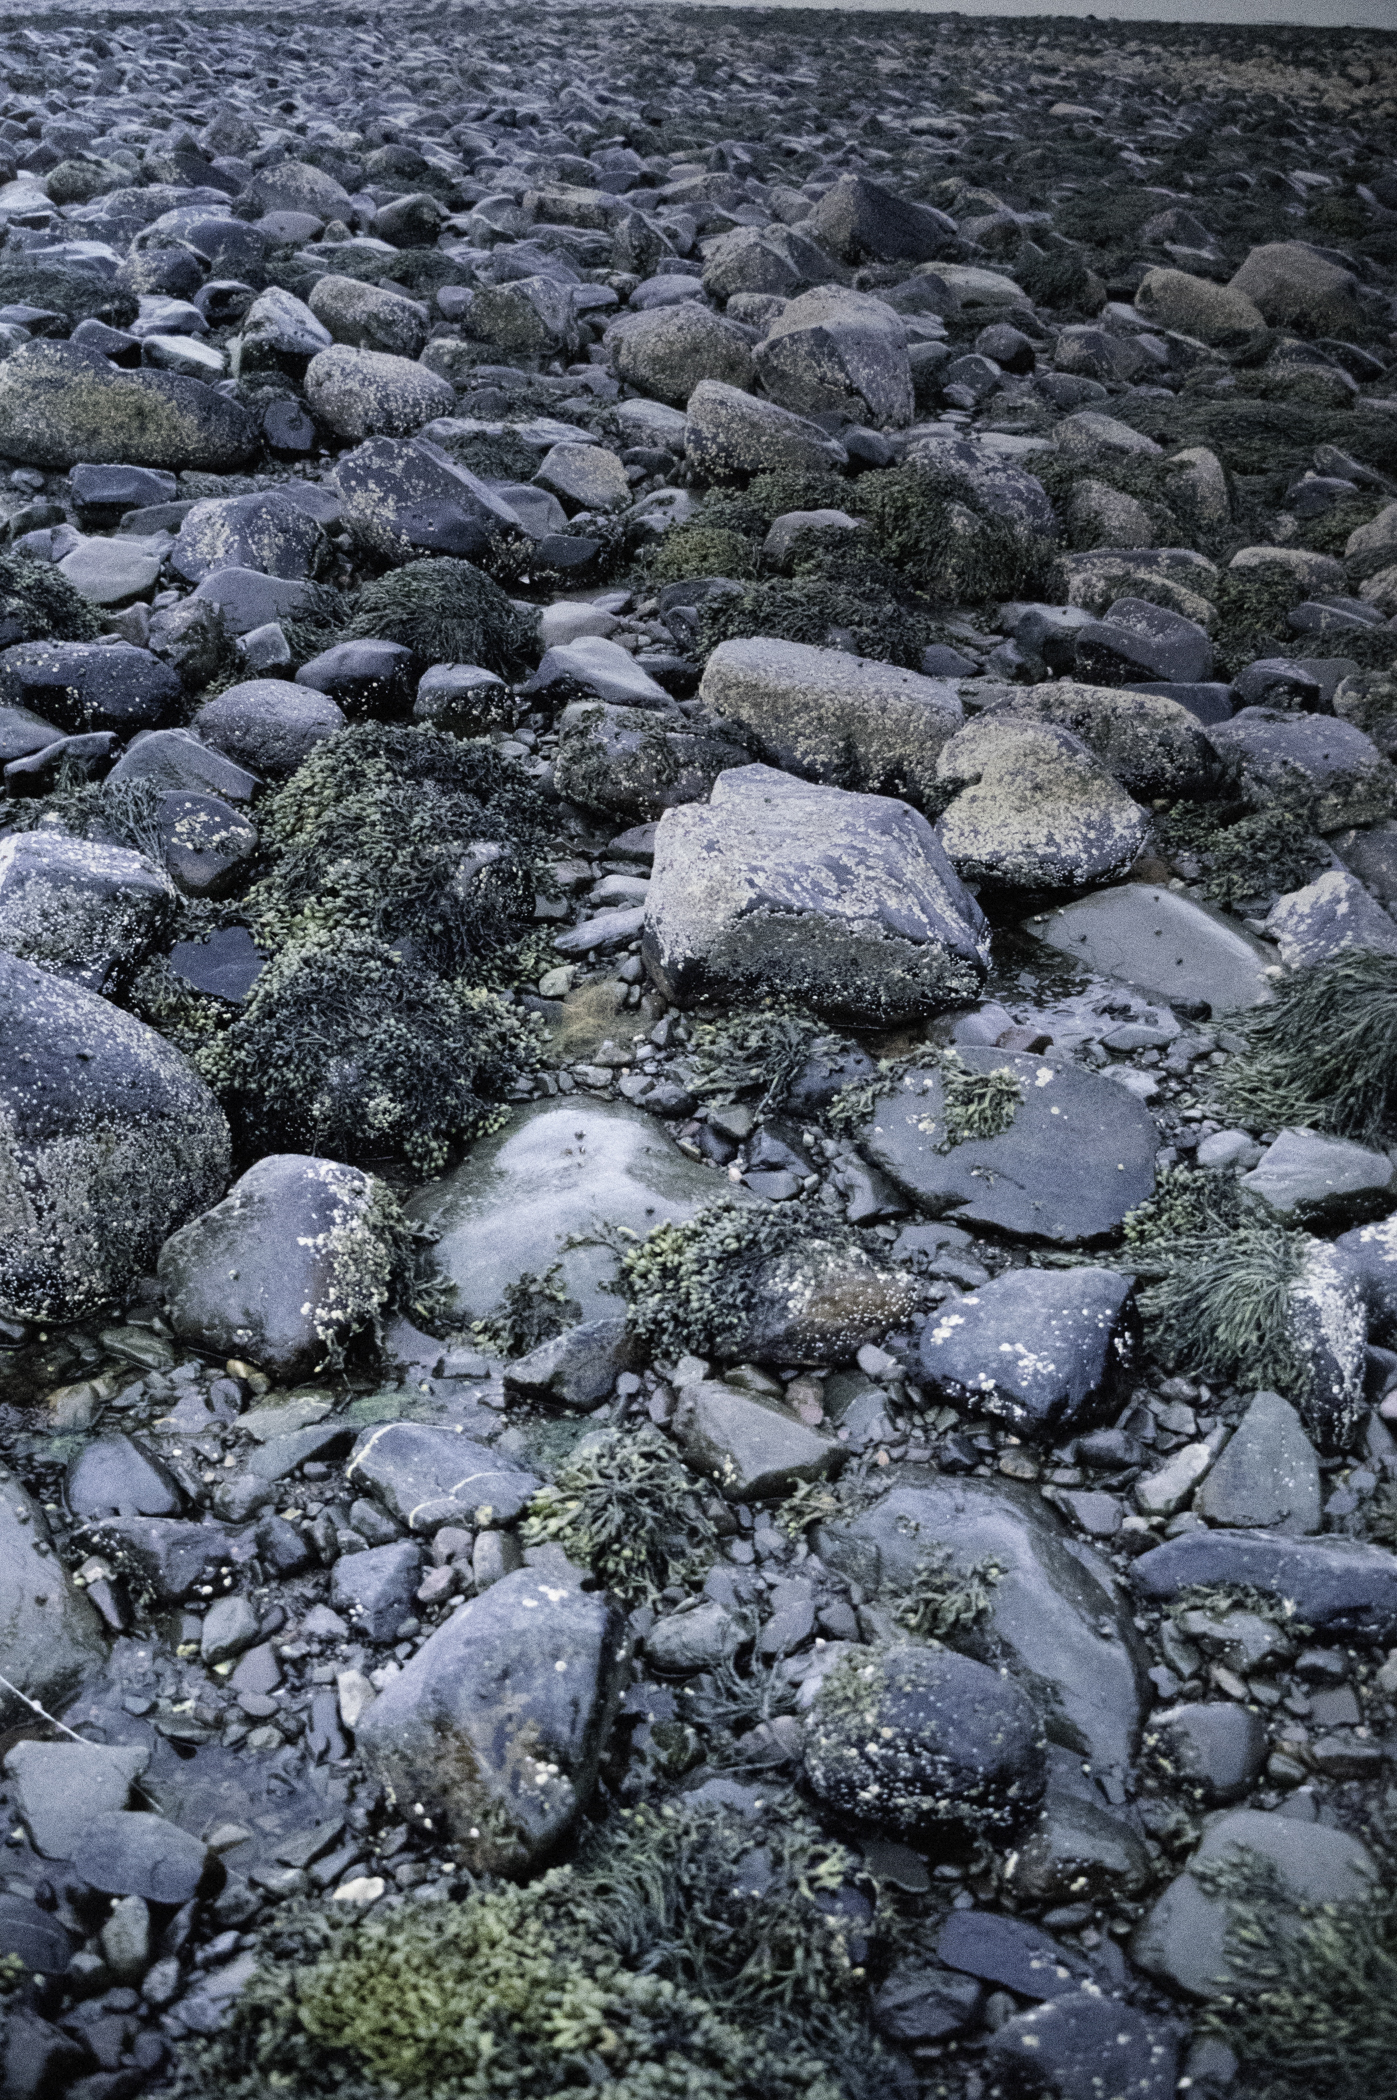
(1324, 1053)
(38, 604)
(445, 612)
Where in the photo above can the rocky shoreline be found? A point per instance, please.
(698, 1056)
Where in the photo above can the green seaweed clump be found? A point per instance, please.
(531, 1311)
(822, 613)
(750, 1049)
(699, 549)
(689, 1286)
(1323, 1054)
(974, 1104)
(624, 1505)
(652, 1969)
(401, 832)
(445, 612)
(1222, 1306)
(921, 523)
(106, 812)
(1062, 282)
(1310, 2003)
(942, 1600)
(1268, 850)
(38, 604)
(345, 1047)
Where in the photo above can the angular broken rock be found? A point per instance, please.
(1033, 808)
(749, 1447)
(495, 1728)
(846, 901)
(1039, 1348)
(429, 1477)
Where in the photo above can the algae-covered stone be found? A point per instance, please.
(1033, 808)
(1321, 768)
(403, 500)
(730, 432)
(299, 1255)
(921, 1744)
(1294, 285)
(1196, 307)
(370, 316)
(108, 1140)
(828, 716)
(555, 1175)
(669, 351)
(61, 404)
(91, 913)
(495, 1728)
(637, 762)
(1063, 1162)
(835, 349)
(845, 901)
(1052, 1613)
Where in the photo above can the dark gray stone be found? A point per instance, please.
(749, 1447)
(1019, 1957)
(225, 966)
(578, 1367)
(207, 844)
(924, 1745)
(1139, 639)
(1054, 1616)
(134, 1853)
(637, 762)
(1338, 1586)
(859, 220)
(176, 759)
(1372, 1251)
(34, 1936)
(114, 489)
(1078, 1155)
(361, 677)
(1079, 1851)
(82, 686)
(430, 1477)
(247, 598)
(497, 1723)
(375, 1589)
(22, 733)
(296, 1258)
(1310, 1179)
(109, 1140)
(919, 2004)
(1041, 1348)
(266, 532)
(1325, 769)
(1215, 1751)
(165, 1554)
(1083, 2045)
(116, 1476)
(89, 913)
(60, 1787)
(405, 499)
(268, 724)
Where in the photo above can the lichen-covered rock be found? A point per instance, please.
(367, 393)
(90, 913)
(921, 1744)
(90, 685)
(108, 1141)
(1152, 746)
(827, 716)
(300, 1255)
(403, 500)
(61, 403)
(267, 532)
(370, 316)
(1039, 1349)
(495, 1728)
(1294, 285)
(637, 762)
(1033, 808)
(845, 901)
(859, 220)
(730, 432)
(668, 352)
(1196, 307)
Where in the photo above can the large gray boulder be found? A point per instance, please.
(1033, 808)
(827, 716)
(776, 260)
(497, 1724)
(108, 1141)
(298, 1256)
(367, 393)
(1041, 1176)
(1162, 943)
(548, 1192)
(50, 1636)
(403, 500)
(730, 432)
(1323, 769)
(1297, 286)
(1053, 1617)
(90, 913)
(837, 349)
(844, 901)
(668, 351)
(61, 404)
